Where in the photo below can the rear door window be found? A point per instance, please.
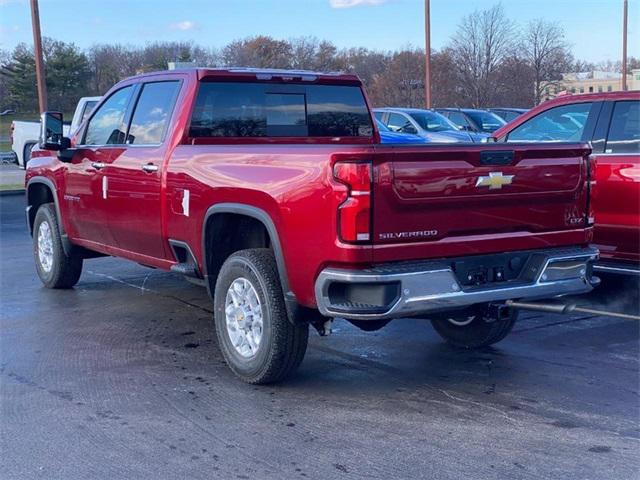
(564, 123)
(624, 131)
(152, 113)
(274, 110)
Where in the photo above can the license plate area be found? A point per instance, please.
(489, 269)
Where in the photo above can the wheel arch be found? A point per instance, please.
(264, 219)
(41, 190)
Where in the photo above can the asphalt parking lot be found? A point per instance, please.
(121, 377)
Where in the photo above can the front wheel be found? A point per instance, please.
(473, 328)
(255, 336)
(55, 268)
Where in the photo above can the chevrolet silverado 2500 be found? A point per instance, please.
(272, 189)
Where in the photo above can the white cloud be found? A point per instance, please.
(353, 3)
(184, 25)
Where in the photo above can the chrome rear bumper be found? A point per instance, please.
(414, 288)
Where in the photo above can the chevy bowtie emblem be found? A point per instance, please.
(494, 181)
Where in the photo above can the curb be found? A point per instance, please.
(7, 193)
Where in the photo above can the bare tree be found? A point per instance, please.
(401, 84)
(260, 52)
(547, 53)
(483, 40)
(309, 53)
(365, 63)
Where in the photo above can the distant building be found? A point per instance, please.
(591, 82)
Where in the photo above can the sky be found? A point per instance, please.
(593, 28)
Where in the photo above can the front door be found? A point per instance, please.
(86, 190)
(135, 173)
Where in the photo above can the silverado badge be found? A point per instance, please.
(494, 181)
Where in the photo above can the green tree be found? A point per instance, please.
(19, 75)
(67, 73)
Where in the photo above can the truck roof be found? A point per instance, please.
(261, 74)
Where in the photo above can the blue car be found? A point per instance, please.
(429, 125)
(473, 119)
(388, 136)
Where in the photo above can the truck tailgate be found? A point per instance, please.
(438, 194)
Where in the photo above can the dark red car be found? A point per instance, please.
(611, 123)
(271, 188)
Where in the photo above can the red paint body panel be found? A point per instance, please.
(134, 215)
(616, 203)
(429, 187)
(616, 193)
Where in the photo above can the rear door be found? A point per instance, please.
(447, 194)
(135, 172)
(617, 192)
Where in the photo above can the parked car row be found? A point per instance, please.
(443, 125)
(430, 125)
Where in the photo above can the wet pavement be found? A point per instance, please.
(121, 377)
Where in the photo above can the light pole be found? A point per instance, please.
(624, 45)
(427, 51)
(37, 44)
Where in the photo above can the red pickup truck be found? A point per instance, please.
(271, 188)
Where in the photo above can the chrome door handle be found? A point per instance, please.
(98, 165)
(150, 168)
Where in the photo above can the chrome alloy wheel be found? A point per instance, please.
(45, 247)
(244, 317)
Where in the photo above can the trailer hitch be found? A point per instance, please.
(565, 308)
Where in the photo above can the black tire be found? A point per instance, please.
(478, 332)
(26, 154)
(283, 344)
(65, 270)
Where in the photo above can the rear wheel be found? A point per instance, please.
(55, 268)
(255, 336)
(473, 328)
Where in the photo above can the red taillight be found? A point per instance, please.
(13, 127)
(354, 214)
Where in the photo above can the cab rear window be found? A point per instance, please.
(275, 110)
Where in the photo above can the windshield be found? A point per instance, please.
(432, 121)
(487, 121)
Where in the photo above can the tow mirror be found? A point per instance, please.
(51, 132)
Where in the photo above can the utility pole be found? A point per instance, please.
(624, 45)
(37, 44)
(427, 51)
